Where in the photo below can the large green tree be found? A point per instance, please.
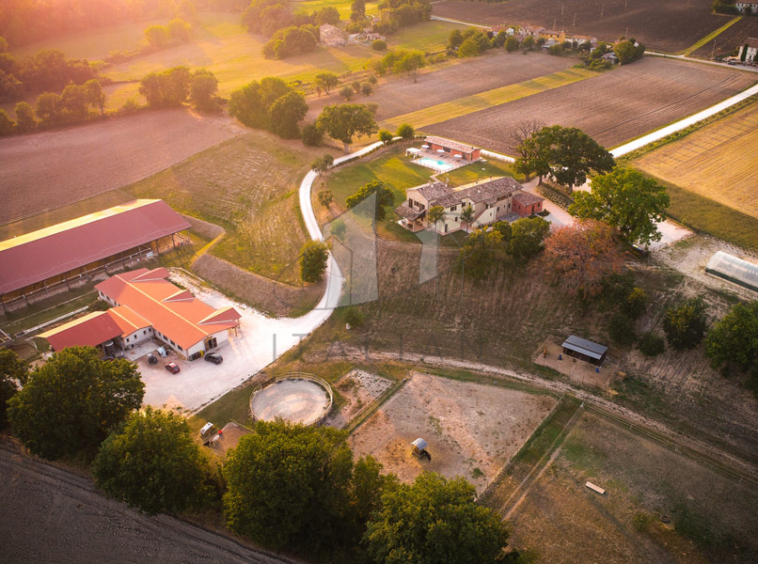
(345, 121)
(435, 521)
(628, 201)
(251, 103)
(286, 112)
(565, 153)
(313, 261)
(527, 236)
(12, 373)
(384, 197)
(480, 250)
(326, 81)
(152, 463)
(732, 343)
(203, 88)
(69, 404)
(685, 324)
(289, 487)
(25, 120)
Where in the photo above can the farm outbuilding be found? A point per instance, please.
(734, 269)
(69, 253)
(585, 350)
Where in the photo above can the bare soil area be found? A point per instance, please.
(614, 107)
(48, 170)
(472, 429)
(562, 521)
(401, 95)
(51, 515)
(664, 25)
(359, 389)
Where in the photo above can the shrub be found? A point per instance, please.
(651, 344)
(311, 135)
(366, 89)
(385, 136)
(313, 261)
(373, 80)
(354, 316)
(325, 198)
(379, 45)
(685, 324)
(635, 303)
(405, 131)
(347, 93)
(621, 330)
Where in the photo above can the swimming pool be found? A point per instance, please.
(434, 164)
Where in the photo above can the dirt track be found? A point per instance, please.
(49, 515)
(47, 170)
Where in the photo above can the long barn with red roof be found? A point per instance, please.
(70, 252)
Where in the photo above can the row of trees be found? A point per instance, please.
(176, 31)
(399, 61)
(284, 487)
(76, 104)
(46, 71)
(173, 87)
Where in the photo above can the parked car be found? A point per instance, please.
(215, 358)
(172, 367)
(151, 359)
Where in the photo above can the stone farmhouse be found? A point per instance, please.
(499, 199)
(332, 36)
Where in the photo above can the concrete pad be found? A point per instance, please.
(294, 400)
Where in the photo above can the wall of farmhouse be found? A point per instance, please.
(138, 337)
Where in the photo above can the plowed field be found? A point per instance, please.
(665, 25)
(614, 107)
(496, 69)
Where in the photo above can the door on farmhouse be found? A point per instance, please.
(211, 344)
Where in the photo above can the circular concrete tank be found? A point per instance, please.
(295, 398)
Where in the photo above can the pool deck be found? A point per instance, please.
(449, 163)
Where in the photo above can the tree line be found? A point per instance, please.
(285, 487)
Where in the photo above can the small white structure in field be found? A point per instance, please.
(418, 449)
(594, 488)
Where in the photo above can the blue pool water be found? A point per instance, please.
(440, 166)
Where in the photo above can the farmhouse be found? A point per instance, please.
(331, 36)
(552, 36)
(146, 305)
(747, 7)
(56, 257)
(452, 148)
(749, 50)
(489, 201)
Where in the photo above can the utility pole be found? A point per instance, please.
(602, 9)
(555, 20)
(562, 8)
(574, 24)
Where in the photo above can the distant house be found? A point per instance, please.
(749, 50)
(146, 305)
(580, 39)
(490, 201)
(332, 36)
(534, 31)
(747, 7)
(453, 148)
(552, 35)
(610, 58)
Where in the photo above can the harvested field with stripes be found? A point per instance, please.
(719, 161)
(468, 77)
(613, 107)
